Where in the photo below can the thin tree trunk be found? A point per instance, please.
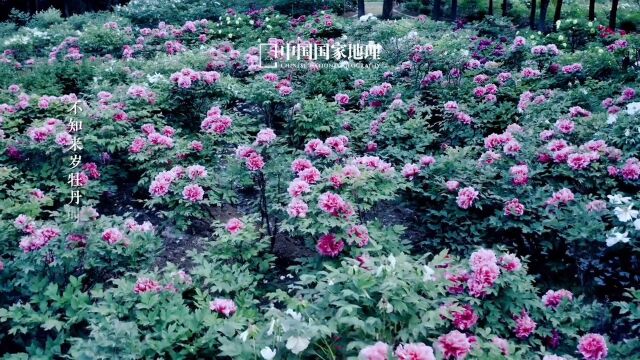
(592, 10)
(387, 8)
(454, 10)
(505, 6)
(613, 14)
(437, 9)
(490, 7)
(558, 13)
(544, 7)
(532, 15)
(360, 8)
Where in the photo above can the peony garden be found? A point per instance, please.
(234, 181)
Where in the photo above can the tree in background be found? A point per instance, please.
(532, 15)
(387, 8)
(544, 7)
(490, 12)
(557, 14)
(437, 9)
(454, 10)
(360, 8)
(592, 10)
(613, 14)
(505, 7)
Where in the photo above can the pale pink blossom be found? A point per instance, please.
(224, 307)
(234, 226)
(193, 193)
(466, 197)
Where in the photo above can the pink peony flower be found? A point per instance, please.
(593, 347)
(112, 236)
(562, 196)
(465, 319)
(196, 171)
(360, 233)
(265, 137)
(525, 326)
(254, 162)
(416, 351)
(553, 299)
(631, 169)
(297, 187)
(342, 99)
(565, 126)
(510, 262)
(310, 175)
(501, 344)
(427, 161)
(409, 171)
(333, 204)
(300, 164)
(328, 245)
(234, 225)
(578, 161)
(482, 279)
(146, 285)
(466, 196)
(159, 188)
(224, 307)
(377, 351)
(297, 208)
(452, 185)
(482, 257)
(596, 206)
(454, 345)
(513, 207)
(512, 147)
(193, 193)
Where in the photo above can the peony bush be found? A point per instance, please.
(471, 194)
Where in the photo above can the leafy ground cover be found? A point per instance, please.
(472, 194)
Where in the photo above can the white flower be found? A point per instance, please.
(392, 261)
(633, 108)
(427, 274)
(636, 224)
(617, 237)
(626, 214)
(294, 314)
(267, 353)
(388, 307)
(612, 118)
(618, 199)
(271, 326)
(244, 335)
(297, 344)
